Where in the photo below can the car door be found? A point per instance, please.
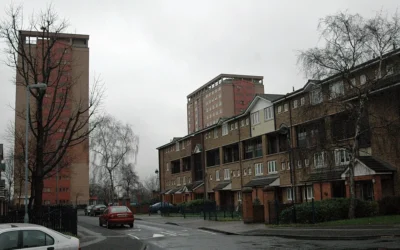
(38, 240)
(9, 240)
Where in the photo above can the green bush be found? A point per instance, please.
(328, 210)
(389, 205)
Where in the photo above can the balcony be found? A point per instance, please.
(2, 167)
(2, 184)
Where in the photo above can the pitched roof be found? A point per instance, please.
(326, 175)
(261, 181)
(221, 185)
(375, 164)
(270, 97)
(194, 185)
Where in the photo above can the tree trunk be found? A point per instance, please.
(352, 207)
(112, 186)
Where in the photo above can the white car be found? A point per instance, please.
(34, 237)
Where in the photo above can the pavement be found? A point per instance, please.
(308, 233)
(156, 233)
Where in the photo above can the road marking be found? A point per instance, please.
(204, 231)
(170, 233)
(157, 235)
(134, 236)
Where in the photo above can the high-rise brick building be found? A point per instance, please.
(224, 96)
(71, 52)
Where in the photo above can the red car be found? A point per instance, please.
(116, 215)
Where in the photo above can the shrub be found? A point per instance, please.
(389, 205)
(328, 210)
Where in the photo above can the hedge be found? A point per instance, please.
(389, 205)
(328, 210)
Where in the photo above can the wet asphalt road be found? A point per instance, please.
(154, 236)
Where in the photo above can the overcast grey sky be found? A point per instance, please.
(151, 54)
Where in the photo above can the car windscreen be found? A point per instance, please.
(120, 210)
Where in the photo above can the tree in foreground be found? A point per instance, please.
(60, 114)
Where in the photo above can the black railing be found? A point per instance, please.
(60, 218)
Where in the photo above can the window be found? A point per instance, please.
(295, 103)
(252, 148)
(271, 167)
(184, 180)
(225, 129)
(249, 171)
(216, 133)
(286, 107)
(288, 165)
(316, 95)
(302, 101)
(319, 160)
(232, 126)
(268, 113)
(239, 196)
(242, 123)
(308, 193)
(247, 121)
(227, 174)
(177, 146)
(283, 165)
(217, 175)
(289, 194)
(244, 172)
(279, 108)
(389, 69)
(342, 157)
(36, 238)
(238, 173)
(352, 82)
(9, 240)
(335, 90)
(255, 118)
(301, 137)
(299, 164)
(306, 162)
(258, 169)
(178, 181)
(183, 145)
(363, 79)
(236, 125)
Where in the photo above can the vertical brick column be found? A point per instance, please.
(377, 188)
(269, 197)
(217, 198)
(248, 216)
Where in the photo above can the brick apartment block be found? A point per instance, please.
(251, 152)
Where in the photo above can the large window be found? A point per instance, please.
(310, 135)
(258, 169)
(308, 193)
(186, 164)
(319, 160)
(277, 143)
(213, 157)
(225, 129)
(176, 166)
(272, 167)
(255, 118)
(336, 89)
(217, 175)
(252, 148)
(289, 194)
(231, 153)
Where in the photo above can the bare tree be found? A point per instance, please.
(151, 183)
(59, 117)
(348, 41)
(113, 145)
(129, 179)
(9, 175)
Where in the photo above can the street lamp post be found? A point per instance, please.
(31, 86)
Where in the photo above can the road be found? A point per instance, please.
(154, 236)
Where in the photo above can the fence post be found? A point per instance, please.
(313, 210)
(277, 211)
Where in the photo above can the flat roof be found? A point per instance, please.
(51, 34)
(222, 76)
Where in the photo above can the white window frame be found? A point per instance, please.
(288, 165)
(363, 79)
(295, 103)
(269, 113)
(227, 174)
(283, 165)
(258, 169)
(217, 175)
(255, 118)
(242, 123)
(336, 89)
(342, 157)
(232, 126)
(249, 172)
(210, 177)
(289, 195)
(316, 95)
(299, 164)
(306, 162)
(279, 109)
(308, 193)
(225, 129)
(272, 167)
(247, 121)
(302, 101)
(177, 146)
(215, 132)
(178, 181)
(286, 107)
(319, 160)
(167, 166)
(183, 144)
(184, 180)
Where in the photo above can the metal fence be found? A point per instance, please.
(275, 209)
(61, 218)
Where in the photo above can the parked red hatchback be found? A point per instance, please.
(116, 215)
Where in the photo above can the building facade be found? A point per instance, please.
(299, 144)
(224, 96)
(69, 184)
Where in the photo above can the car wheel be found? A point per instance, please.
(100, 224)
(131, 225)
